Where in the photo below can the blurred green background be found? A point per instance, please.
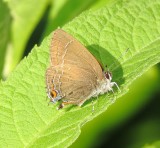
(133, 121)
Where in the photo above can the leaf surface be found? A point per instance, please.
(25, 16)
(25, 118)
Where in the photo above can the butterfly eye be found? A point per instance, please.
(108, 75)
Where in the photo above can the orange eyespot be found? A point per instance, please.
(53, 94)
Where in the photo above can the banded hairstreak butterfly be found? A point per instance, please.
(74, 75)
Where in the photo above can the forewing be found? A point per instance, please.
(67, 50)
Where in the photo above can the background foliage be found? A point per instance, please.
(107, 29)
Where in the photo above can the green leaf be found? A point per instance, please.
(125, 108)
(5, 23)
(27, 120)
(26, 15)
(57, 17)
(156, 144)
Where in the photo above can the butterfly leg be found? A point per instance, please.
(79, 103)
(114, 83)
(66, 103)
(54, 100)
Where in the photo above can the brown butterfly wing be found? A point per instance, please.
(74, 71)
(72, 83)
(65, 48)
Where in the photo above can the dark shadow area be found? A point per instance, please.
(37, 33)
(106, 59)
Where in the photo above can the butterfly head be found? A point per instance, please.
(108, 75)
(107, 84)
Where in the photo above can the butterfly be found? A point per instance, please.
(74, 75)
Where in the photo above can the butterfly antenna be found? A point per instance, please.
(120, 57)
